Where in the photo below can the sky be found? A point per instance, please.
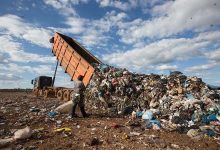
(144, 36)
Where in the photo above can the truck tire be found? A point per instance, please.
(41, 92)
(66, 95)
(60, 94)
(36, 92)
(46, 93)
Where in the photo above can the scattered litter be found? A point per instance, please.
(52, 114)
(22, 133)
(63, 130)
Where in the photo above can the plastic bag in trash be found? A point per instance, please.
(77, 94)
(149, 123)
(65, 108)
(208, 119)
(148, 115)
(52, 114)
(22, 133)
(139, 113)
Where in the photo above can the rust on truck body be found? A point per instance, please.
(74, 58)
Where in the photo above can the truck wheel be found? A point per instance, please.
(66, 95)
(45, 93)
(72, 93)
(36, 92)
(60, 95)
(41, 92)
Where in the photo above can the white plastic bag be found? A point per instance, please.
(148, 115)
(65, 108)
(22, 133)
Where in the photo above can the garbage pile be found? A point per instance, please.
(177, 100)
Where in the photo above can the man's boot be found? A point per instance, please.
(82, 109)
(73, 114)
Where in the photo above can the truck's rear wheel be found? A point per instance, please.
(66, 95)
(46, 93)
(60, 94)
(49, 93)
(36, 92)
(41, 92)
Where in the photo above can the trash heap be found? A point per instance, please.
(175, 99)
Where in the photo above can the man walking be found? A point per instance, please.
(78, 98)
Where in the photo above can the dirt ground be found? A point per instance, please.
(21, 109)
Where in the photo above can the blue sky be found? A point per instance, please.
(145, 36)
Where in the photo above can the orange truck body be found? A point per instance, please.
(74, 58)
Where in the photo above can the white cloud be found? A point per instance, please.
(13, 68)
(214, 56)
(166, 67)
(65, 7)
(3, 59)
(116, 4)
(157, 53)
(211, 35)
(76, 25)
(17, 27)
(201, 68)
(111, 19)
(182, 15)
(20, 76)
(9, 77)
(93, 33)
(14, 52)
(130, 4)
(43, 70)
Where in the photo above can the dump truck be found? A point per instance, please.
(75, 60)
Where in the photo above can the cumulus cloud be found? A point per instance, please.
(182, 15)
(13, 68)
(130, 4)
(157, 53)
(3, 58)
(19, 76)
(43, 70)
(12, 50)
(214, 56)
(201, 68)
(9, 77)
(13, 75)
(117, 4)
(93, 33)
(166, 67)
(213, 36)
(65, 7)
(17, 27)
(164, 51)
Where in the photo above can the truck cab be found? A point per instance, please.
(41, 82)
